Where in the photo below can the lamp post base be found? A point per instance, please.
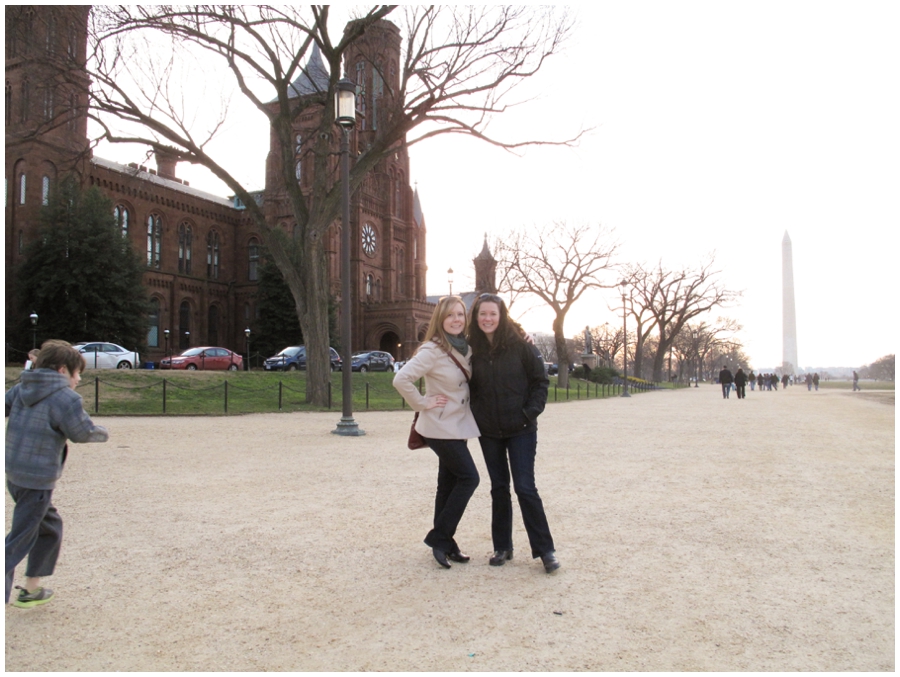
(348, 428)
(625, 393)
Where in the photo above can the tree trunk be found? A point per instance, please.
(562, 351)
(659, 360)
(315, 327)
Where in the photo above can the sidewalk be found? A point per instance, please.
(695, 533)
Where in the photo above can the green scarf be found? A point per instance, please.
(459, 342)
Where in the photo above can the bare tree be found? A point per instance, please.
(674, 297)
(557, 263)
(458, 68)
(881, 369)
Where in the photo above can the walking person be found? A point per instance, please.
(856, 382)
(509, 392)
(816, 381)
(445, 420)
(752, 380)
(44, 411)
(740, 383)
(726, 379)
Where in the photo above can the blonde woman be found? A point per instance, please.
(445, 420)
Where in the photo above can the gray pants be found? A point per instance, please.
(36, 533)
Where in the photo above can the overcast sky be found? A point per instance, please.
(717, 126)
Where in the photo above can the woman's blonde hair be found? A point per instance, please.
(435, 331)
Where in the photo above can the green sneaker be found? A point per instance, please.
(26, 599)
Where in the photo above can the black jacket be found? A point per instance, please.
(509, 390)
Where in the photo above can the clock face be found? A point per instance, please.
(368, 240)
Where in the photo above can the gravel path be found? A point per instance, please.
(694, 534)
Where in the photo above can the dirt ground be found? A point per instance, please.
(694, 534)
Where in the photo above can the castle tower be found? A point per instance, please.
(485, 271)
(789, 316)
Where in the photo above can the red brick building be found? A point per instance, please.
(201, 251)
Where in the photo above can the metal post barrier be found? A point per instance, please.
(96, 394)
(164, 396)
(329, 394)
(280, 391)
(226, 396)
(367, 396)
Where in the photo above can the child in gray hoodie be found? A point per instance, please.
(44, 411)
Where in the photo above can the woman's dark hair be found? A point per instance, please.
(506, 334)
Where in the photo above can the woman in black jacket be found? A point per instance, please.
(509, 391)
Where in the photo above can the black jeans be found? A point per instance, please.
(36, 533)
(456, 482)
(520, 452)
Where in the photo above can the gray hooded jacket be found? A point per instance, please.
(43, 412)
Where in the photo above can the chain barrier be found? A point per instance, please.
(363, 391)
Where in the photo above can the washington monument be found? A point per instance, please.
(789, 362)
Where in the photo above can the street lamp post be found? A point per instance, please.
(345, 118)
(625, 392)
(34, 318)
(166, 337)
(247, 348)
(450, 280)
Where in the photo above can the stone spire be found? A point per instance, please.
(485, 271)
(789, 364)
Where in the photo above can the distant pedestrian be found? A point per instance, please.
(740, 383)
(773, 382)
(785, 380)
(752, 380)
(726, 379)
(816, 380)
(32, 358)
(856, 382)
(809, 381)
(759, 382)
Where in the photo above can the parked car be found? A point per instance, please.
(108, 356)
(294, 357)
(205, 358)
(372, 360)
(553, 369)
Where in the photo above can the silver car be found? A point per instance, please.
(108, 356)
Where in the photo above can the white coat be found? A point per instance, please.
(442, 377)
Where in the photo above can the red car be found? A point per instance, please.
(204, 358)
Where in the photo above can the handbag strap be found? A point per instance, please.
(465, 373)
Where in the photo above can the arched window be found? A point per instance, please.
(50, 42)
(377, 93)
(212, 255)
(45, 190)
(369, 286)
(49, 102)
(361, 93)
(120, 214)
(25, 102)
(398, 194)
(185, 248)
(213, 326)
(401, 273)
(153, 332)
(22, 188)
(253, 256)
(298, 147)
(184, 326)
(154, 240)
